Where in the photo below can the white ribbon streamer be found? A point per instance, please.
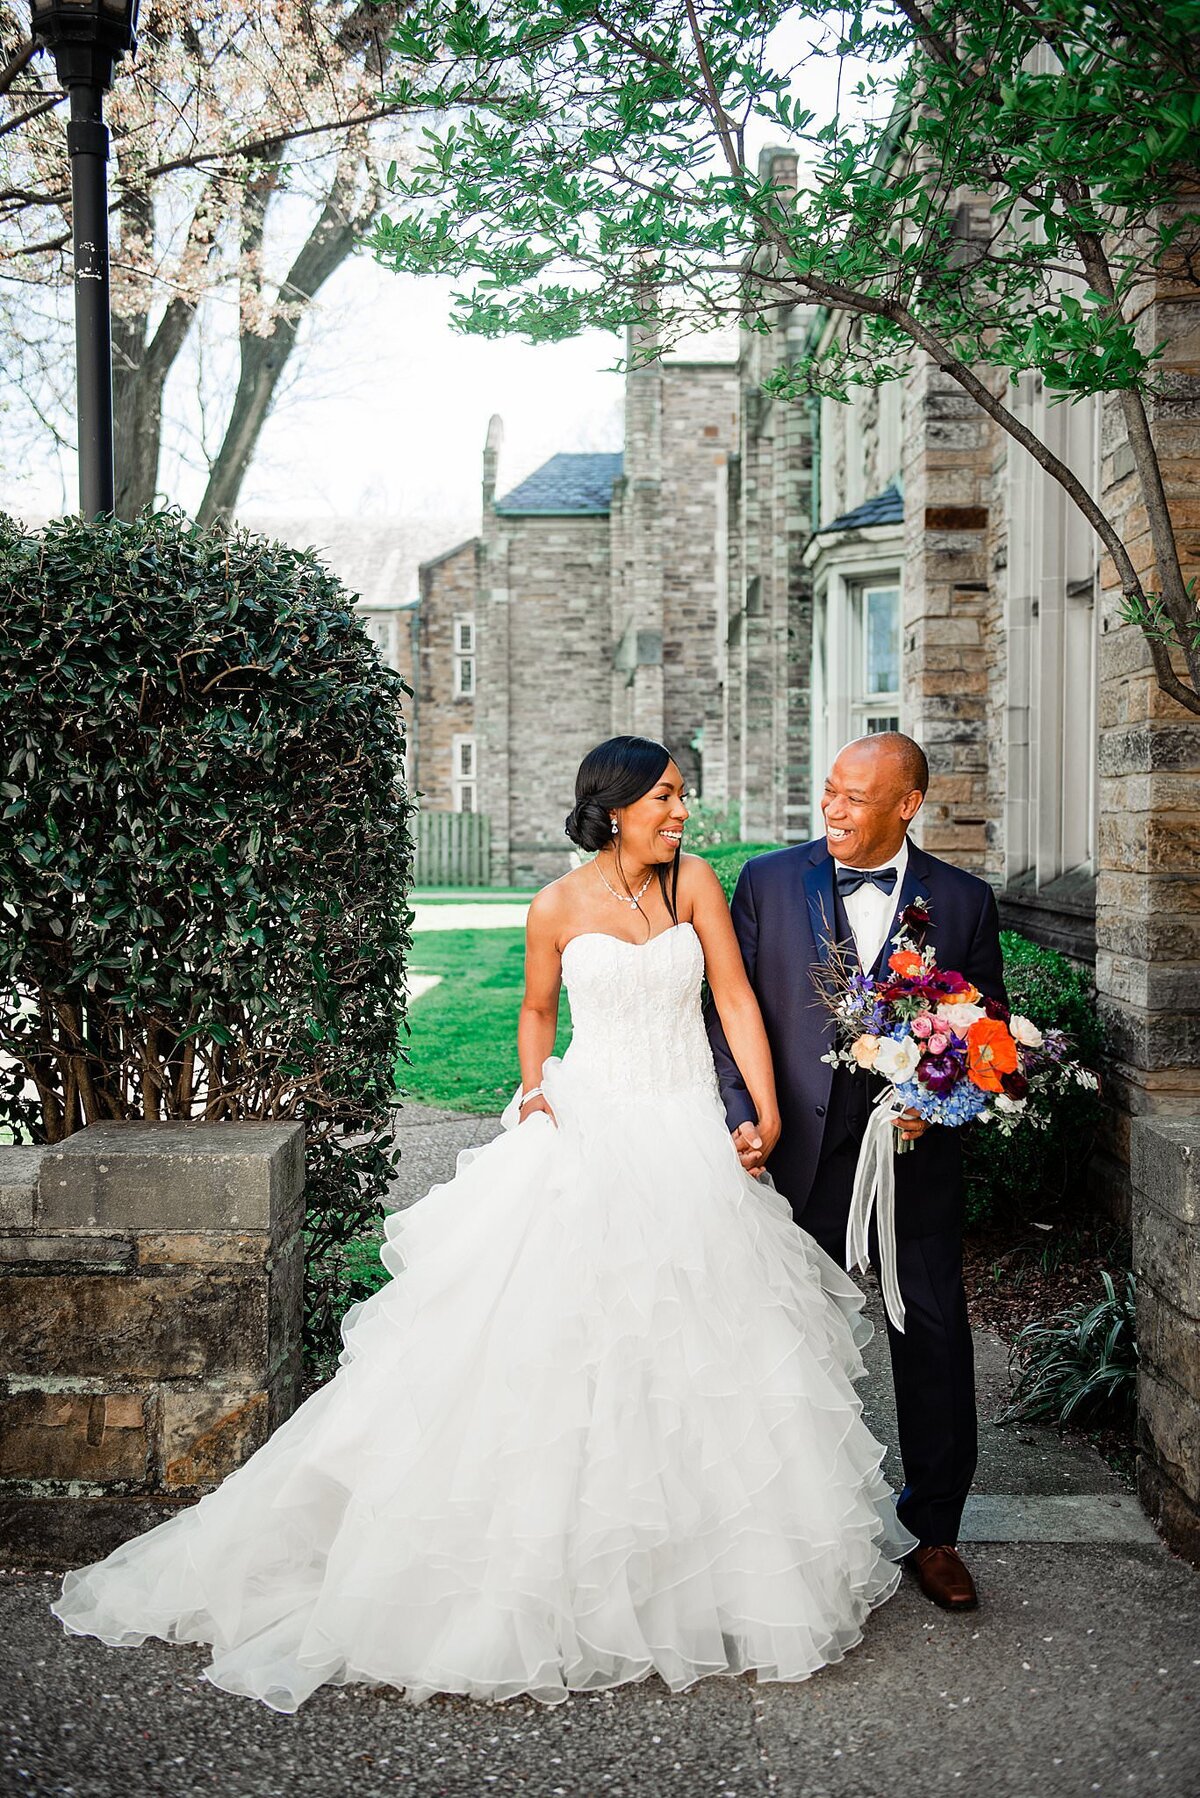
(875, 1190)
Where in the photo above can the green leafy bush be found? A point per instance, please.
(712, 826)
(205, 853)
(1033, 1169)
(730, 858)
(1079, 1366)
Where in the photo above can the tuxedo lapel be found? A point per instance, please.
(915, 885)
(819, 895)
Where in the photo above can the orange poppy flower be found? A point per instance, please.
(991, 1052)
(906, 963)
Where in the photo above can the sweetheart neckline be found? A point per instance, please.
(684, 924)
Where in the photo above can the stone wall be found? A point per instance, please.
(150, 1290)
(947, 467)
(1148, 886)
(559, 674)
(449, 588)
(1166, 1204)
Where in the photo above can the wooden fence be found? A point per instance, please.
(453, 849)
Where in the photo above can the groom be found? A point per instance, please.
(852, 888)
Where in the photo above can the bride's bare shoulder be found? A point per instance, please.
(697, 879)
(550, 908)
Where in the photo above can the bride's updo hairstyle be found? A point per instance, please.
(617, 773)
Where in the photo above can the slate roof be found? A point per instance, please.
(573, 483)
(886, 508)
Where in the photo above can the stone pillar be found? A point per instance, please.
(1166, 1256)
(150, 1298)
(947, 464)
(1148, 877)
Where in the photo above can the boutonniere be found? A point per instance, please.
(915, 920)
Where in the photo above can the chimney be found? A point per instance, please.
(491, 460)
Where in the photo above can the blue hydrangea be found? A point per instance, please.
(956, 1108)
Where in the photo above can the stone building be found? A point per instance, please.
(608, 593)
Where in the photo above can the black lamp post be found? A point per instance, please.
(86, 37)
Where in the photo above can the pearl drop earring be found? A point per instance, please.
(616, 828)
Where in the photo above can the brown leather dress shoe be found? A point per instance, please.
(943, 1576)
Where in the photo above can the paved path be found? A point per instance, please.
(1079, 1674)
(488, 915)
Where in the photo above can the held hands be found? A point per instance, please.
(754, 1143)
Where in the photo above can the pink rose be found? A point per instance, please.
(922, 1027)
(938, 1044)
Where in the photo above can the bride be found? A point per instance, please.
(600, 1423)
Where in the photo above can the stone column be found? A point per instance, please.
(1166, 1256)
(150, 1298)
(1148, 877)
(947, 463)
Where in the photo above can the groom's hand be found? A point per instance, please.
(754, 1143)
(911, 1125)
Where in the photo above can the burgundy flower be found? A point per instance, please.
(995, 1008)
(1015, 1085)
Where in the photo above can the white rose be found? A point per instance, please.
(961, 1017)
(897, 1061)
(1027, 1034)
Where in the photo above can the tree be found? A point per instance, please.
(594, 172)
(244, 166)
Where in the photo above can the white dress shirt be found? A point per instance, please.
(872, 912)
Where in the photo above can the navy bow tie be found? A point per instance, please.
(850, 879)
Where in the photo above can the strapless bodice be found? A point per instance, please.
(637, 1026)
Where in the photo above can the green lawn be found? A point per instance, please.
(463, 1044)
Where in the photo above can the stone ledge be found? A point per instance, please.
(18, 1185)
(192, 1175)
(1165, 1165)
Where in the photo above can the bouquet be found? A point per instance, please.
(946, 1053)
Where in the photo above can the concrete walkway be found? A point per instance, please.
(1079, 1674)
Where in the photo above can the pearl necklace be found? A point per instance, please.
(626, 898)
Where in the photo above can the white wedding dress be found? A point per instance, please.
(599, 1424)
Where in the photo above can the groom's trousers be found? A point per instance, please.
(932, 1361)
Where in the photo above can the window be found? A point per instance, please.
(856, 652)
(466, 773)
(876, 625)
(464, 657)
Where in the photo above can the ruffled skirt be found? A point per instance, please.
(600, 1423)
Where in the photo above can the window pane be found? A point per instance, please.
(466, 674)
(466, 799)
(466, 760)
(876, 722)
(881, 639)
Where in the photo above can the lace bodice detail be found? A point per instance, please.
(635, 1012)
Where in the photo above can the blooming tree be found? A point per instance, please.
(247, 146)
(1005, 189)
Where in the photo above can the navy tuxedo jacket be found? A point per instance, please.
(783, 913)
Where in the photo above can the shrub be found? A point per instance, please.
(1081, 1365)
(205, 855)
(712, 826)
(729, 859)
(1033, 1169)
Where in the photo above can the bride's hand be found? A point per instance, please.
(754, 1142)
(537, 1104)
